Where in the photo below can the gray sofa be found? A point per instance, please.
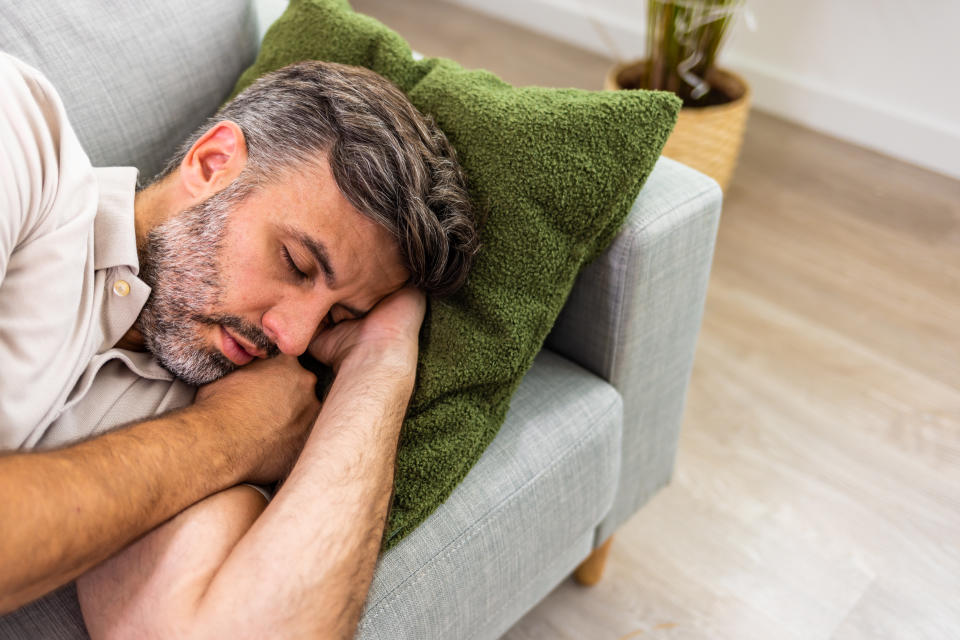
(592, 431)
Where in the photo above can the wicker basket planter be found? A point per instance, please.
(705, 138)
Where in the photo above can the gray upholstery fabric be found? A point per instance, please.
(54, 617)
(136, 76)
(633, 319)
(518, 524)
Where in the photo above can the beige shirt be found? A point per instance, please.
(68, 280)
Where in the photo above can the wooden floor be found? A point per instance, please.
(817, 490)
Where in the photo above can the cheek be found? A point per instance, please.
(245, 277)
(247, 287)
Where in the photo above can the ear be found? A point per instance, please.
(214, 160)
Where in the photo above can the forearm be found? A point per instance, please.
(318, 539)
(64, 511)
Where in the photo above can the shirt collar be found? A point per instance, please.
(115, 237)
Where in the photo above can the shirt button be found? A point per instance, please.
(121, 288)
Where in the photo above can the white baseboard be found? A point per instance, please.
(911, 137)
(916, 139)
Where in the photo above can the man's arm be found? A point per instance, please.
(66, 510)
(318, 540)
(303, 566)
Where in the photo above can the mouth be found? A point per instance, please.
(235, 350)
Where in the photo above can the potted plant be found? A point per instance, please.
(683, 39)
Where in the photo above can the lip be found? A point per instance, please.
(246, 346)
(233, 349)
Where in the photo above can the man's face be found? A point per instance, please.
(236, 278)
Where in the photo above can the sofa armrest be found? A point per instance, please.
(633, 319)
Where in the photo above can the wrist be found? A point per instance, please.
(215, 425)
(396, 361)
(372, 378)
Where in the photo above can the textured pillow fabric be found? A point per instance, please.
(554, 171)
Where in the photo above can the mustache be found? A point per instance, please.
(244, 329)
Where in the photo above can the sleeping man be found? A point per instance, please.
(149, 343)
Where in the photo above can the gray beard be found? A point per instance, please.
(181, 264)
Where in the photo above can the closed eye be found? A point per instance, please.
(292, 266)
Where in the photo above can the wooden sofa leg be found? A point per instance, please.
(591, 570)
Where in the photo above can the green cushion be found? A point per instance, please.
(554, 170)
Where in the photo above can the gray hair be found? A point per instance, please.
(390, 161)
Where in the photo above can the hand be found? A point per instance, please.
(387, 336)
(268, 407)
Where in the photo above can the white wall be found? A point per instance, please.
(880, 73)
(267, 12)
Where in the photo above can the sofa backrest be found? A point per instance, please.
(136, 76)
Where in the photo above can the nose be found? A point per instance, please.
(292, 323)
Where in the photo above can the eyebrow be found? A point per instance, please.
(319, 251)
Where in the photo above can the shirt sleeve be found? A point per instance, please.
(35, 141)
(48, 204)
(14, 172)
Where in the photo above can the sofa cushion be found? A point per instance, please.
(554, 170)
(520, 521)
(136, 77)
